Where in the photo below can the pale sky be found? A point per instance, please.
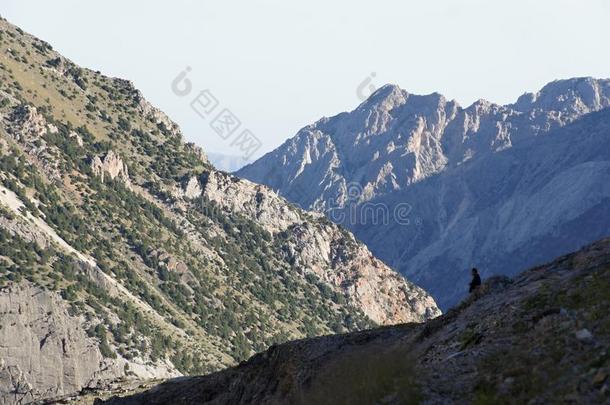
(280, 65)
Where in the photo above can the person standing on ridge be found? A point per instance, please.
(476, 280)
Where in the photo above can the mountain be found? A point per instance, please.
(125, 255)
(434, 189)
(542, 337)
(227, 163)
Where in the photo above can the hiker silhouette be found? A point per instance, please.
(476, 280)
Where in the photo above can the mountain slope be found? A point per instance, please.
(542, 337)
(433, 188)
(142, 260)
(395, 139)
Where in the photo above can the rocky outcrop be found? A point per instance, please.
(350, 268)
(252, 200)
(112, 165)
(189, 189)
(28, 123)
(23, 229)
(58, 65)
(28, 127)
(77, 138)
(44, 351)
(539, 338)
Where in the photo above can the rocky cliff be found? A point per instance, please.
(112, 166)
(45, 350)
(434, 189)
(542, 337)
(124, 255)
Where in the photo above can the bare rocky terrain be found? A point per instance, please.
(542, 337)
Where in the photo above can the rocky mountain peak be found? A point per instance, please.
(385, 98)
(570, 96)
(416, 136)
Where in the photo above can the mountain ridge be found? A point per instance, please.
(370, 161)
(576, 96)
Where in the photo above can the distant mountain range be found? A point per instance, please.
(434, 189)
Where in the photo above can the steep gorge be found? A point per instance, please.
(125, 255)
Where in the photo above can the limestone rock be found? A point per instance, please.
(58, 64)
(192, 188)
(45, 351)
(253, 200)
(111, 164)
(77, 138)
(28, 127)
(29, 122)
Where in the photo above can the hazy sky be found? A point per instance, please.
(280, 65)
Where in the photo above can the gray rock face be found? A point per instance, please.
(44, 351)
(112, 165)
(498, 187)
